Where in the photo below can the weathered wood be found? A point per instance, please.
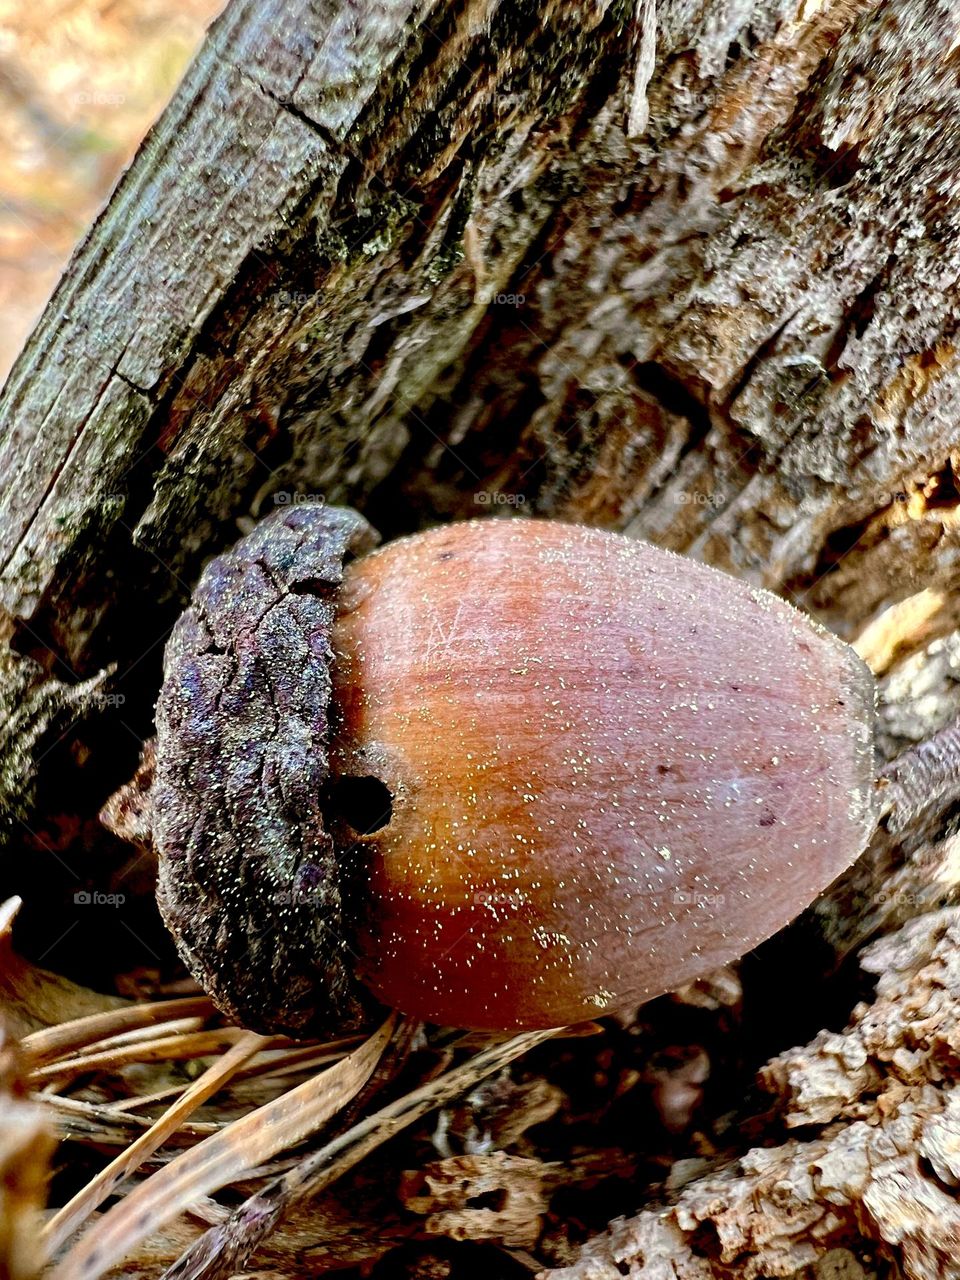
(252, 246)
(735, 333)
(404, 253)
(303, 197)
(866, 1182)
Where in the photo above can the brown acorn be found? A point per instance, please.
(611, 769)
(544, 773)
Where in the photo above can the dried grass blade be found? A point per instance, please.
(225, 1249)
(639, 115)
(140, 1035)
(68, 1219)
(100, 1125)
(220, 1159)
(195, 1044)
(70, 1037)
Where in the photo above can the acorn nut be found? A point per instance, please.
(503, 774)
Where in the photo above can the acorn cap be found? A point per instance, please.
(248, 878)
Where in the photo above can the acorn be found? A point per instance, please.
(507, 773)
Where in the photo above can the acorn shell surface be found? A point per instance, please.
(612, 769)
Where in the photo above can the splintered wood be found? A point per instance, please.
(879, 1163)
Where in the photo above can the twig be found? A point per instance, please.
(391, 1063)
(99, 1124)
(224, 1249)
(925, 777)
(639, 115)
(221, 1158)
(68, 1219)
(194, 1044)
(53, 1042)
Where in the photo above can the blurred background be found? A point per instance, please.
(81, 81)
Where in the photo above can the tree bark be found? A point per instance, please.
(408, 255)
(735, 333)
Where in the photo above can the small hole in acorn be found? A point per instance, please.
(365, 803)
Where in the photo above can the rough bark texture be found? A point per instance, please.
(735, 333)
(403, 253)
(877, 1167)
